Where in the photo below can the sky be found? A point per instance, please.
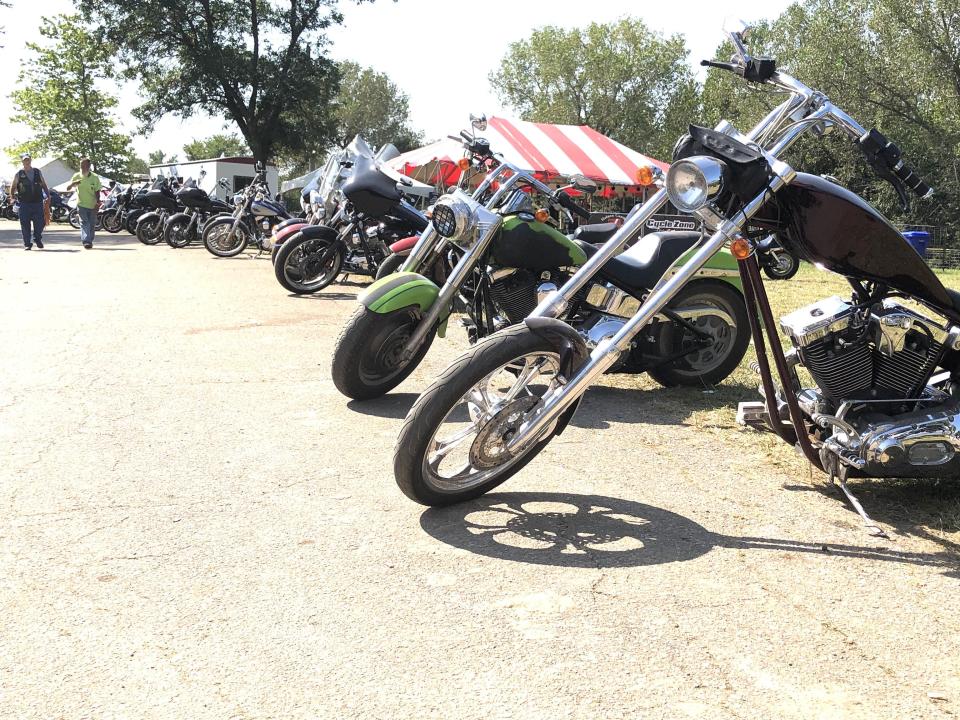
(440, 52)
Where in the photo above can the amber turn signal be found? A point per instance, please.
(463, 164)
(644, 175)
(542, 215)
(740, 248)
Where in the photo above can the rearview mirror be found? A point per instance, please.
(583, 184)
(479, 122)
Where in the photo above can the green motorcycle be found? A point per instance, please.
(492, 257)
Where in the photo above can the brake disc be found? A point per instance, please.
(489, 448)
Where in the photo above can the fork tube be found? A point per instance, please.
(450, 288)
(556, 302)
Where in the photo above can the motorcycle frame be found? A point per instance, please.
(816, 112)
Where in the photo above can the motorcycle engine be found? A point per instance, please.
(884, 352)
(515, 294)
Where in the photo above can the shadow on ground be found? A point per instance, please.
(591, 531)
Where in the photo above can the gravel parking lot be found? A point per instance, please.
(196, 524)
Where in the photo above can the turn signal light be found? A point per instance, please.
(644, 175)
(740, 248)
(542, 215)
(463, 164)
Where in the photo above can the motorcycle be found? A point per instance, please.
(162, 198)
(183, 228)
(252, 221)
(775, 260)
(73, 217)
(112, 216)
(492, 256)
(355, 238)
(877, 408)
(58, 206)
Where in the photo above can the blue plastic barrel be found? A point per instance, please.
(918, 239)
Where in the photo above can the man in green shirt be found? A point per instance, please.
(88, 200)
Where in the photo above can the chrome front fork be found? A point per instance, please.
(608, 352)
(455, 280)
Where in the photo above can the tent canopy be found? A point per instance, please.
(550, 151)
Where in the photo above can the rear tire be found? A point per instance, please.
(215, 235)
(437, 403)
(365, 360)
(150, 231)
(299, 267)
(391, 264)
(710, 365)
(785, 269)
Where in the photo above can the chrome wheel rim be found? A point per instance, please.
(468, 447)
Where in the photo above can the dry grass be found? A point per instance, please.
(923, 506)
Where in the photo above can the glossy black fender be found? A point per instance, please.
(573, 355)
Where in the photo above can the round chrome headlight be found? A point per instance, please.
(691, 182)
(450, 217)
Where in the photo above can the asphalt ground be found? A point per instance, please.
(194, 523)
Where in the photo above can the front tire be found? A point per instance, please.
(112, 221)
(707, 365)
(73, 218)
(304, 265)
(469, 413)
(366, 360)
(177, 232)
(781, 265)
(391, 264)
(216, 236)
(150, 231)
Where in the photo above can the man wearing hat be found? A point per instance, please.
(28, 187)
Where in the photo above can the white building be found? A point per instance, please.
(238, 171)
(55, 172)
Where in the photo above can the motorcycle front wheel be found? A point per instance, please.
(177, 232)
(307, 265)
(112, 221)
(150, 231)
(216, 238)
(367, 357)
(391, 264)
(781, 265)
(74, 219)
(452, 446)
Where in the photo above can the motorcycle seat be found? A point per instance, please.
(641, 267)
(596, 233)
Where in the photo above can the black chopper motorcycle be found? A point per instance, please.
(183, 228)
(372, 214)
(885, 399)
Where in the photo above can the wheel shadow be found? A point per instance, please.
(592, 531)
(393, 405)
(324, 296)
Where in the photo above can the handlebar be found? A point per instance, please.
(572, 205)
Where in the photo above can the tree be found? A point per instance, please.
(262, 64)
(220, 145)
(893, 65)
(157, 157)
(620, 78)
(370, 105)
(138, 166)
(58, 99)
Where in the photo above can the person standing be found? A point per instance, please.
(88, 201)
(28, 187)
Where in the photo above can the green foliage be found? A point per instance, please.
(137, 166)
(157, 157)
(370, 105)
(219, 145)
(57, 98)
(261, 63)
(622, 79)
(893, 65)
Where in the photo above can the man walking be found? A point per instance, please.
(28, 187)
(88, 200)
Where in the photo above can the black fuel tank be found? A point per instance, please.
(833, 227)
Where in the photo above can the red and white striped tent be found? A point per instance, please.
(551, 151)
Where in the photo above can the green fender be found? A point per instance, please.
(401, 290)
(722, 266)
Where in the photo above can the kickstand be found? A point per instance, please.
(872, 528)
